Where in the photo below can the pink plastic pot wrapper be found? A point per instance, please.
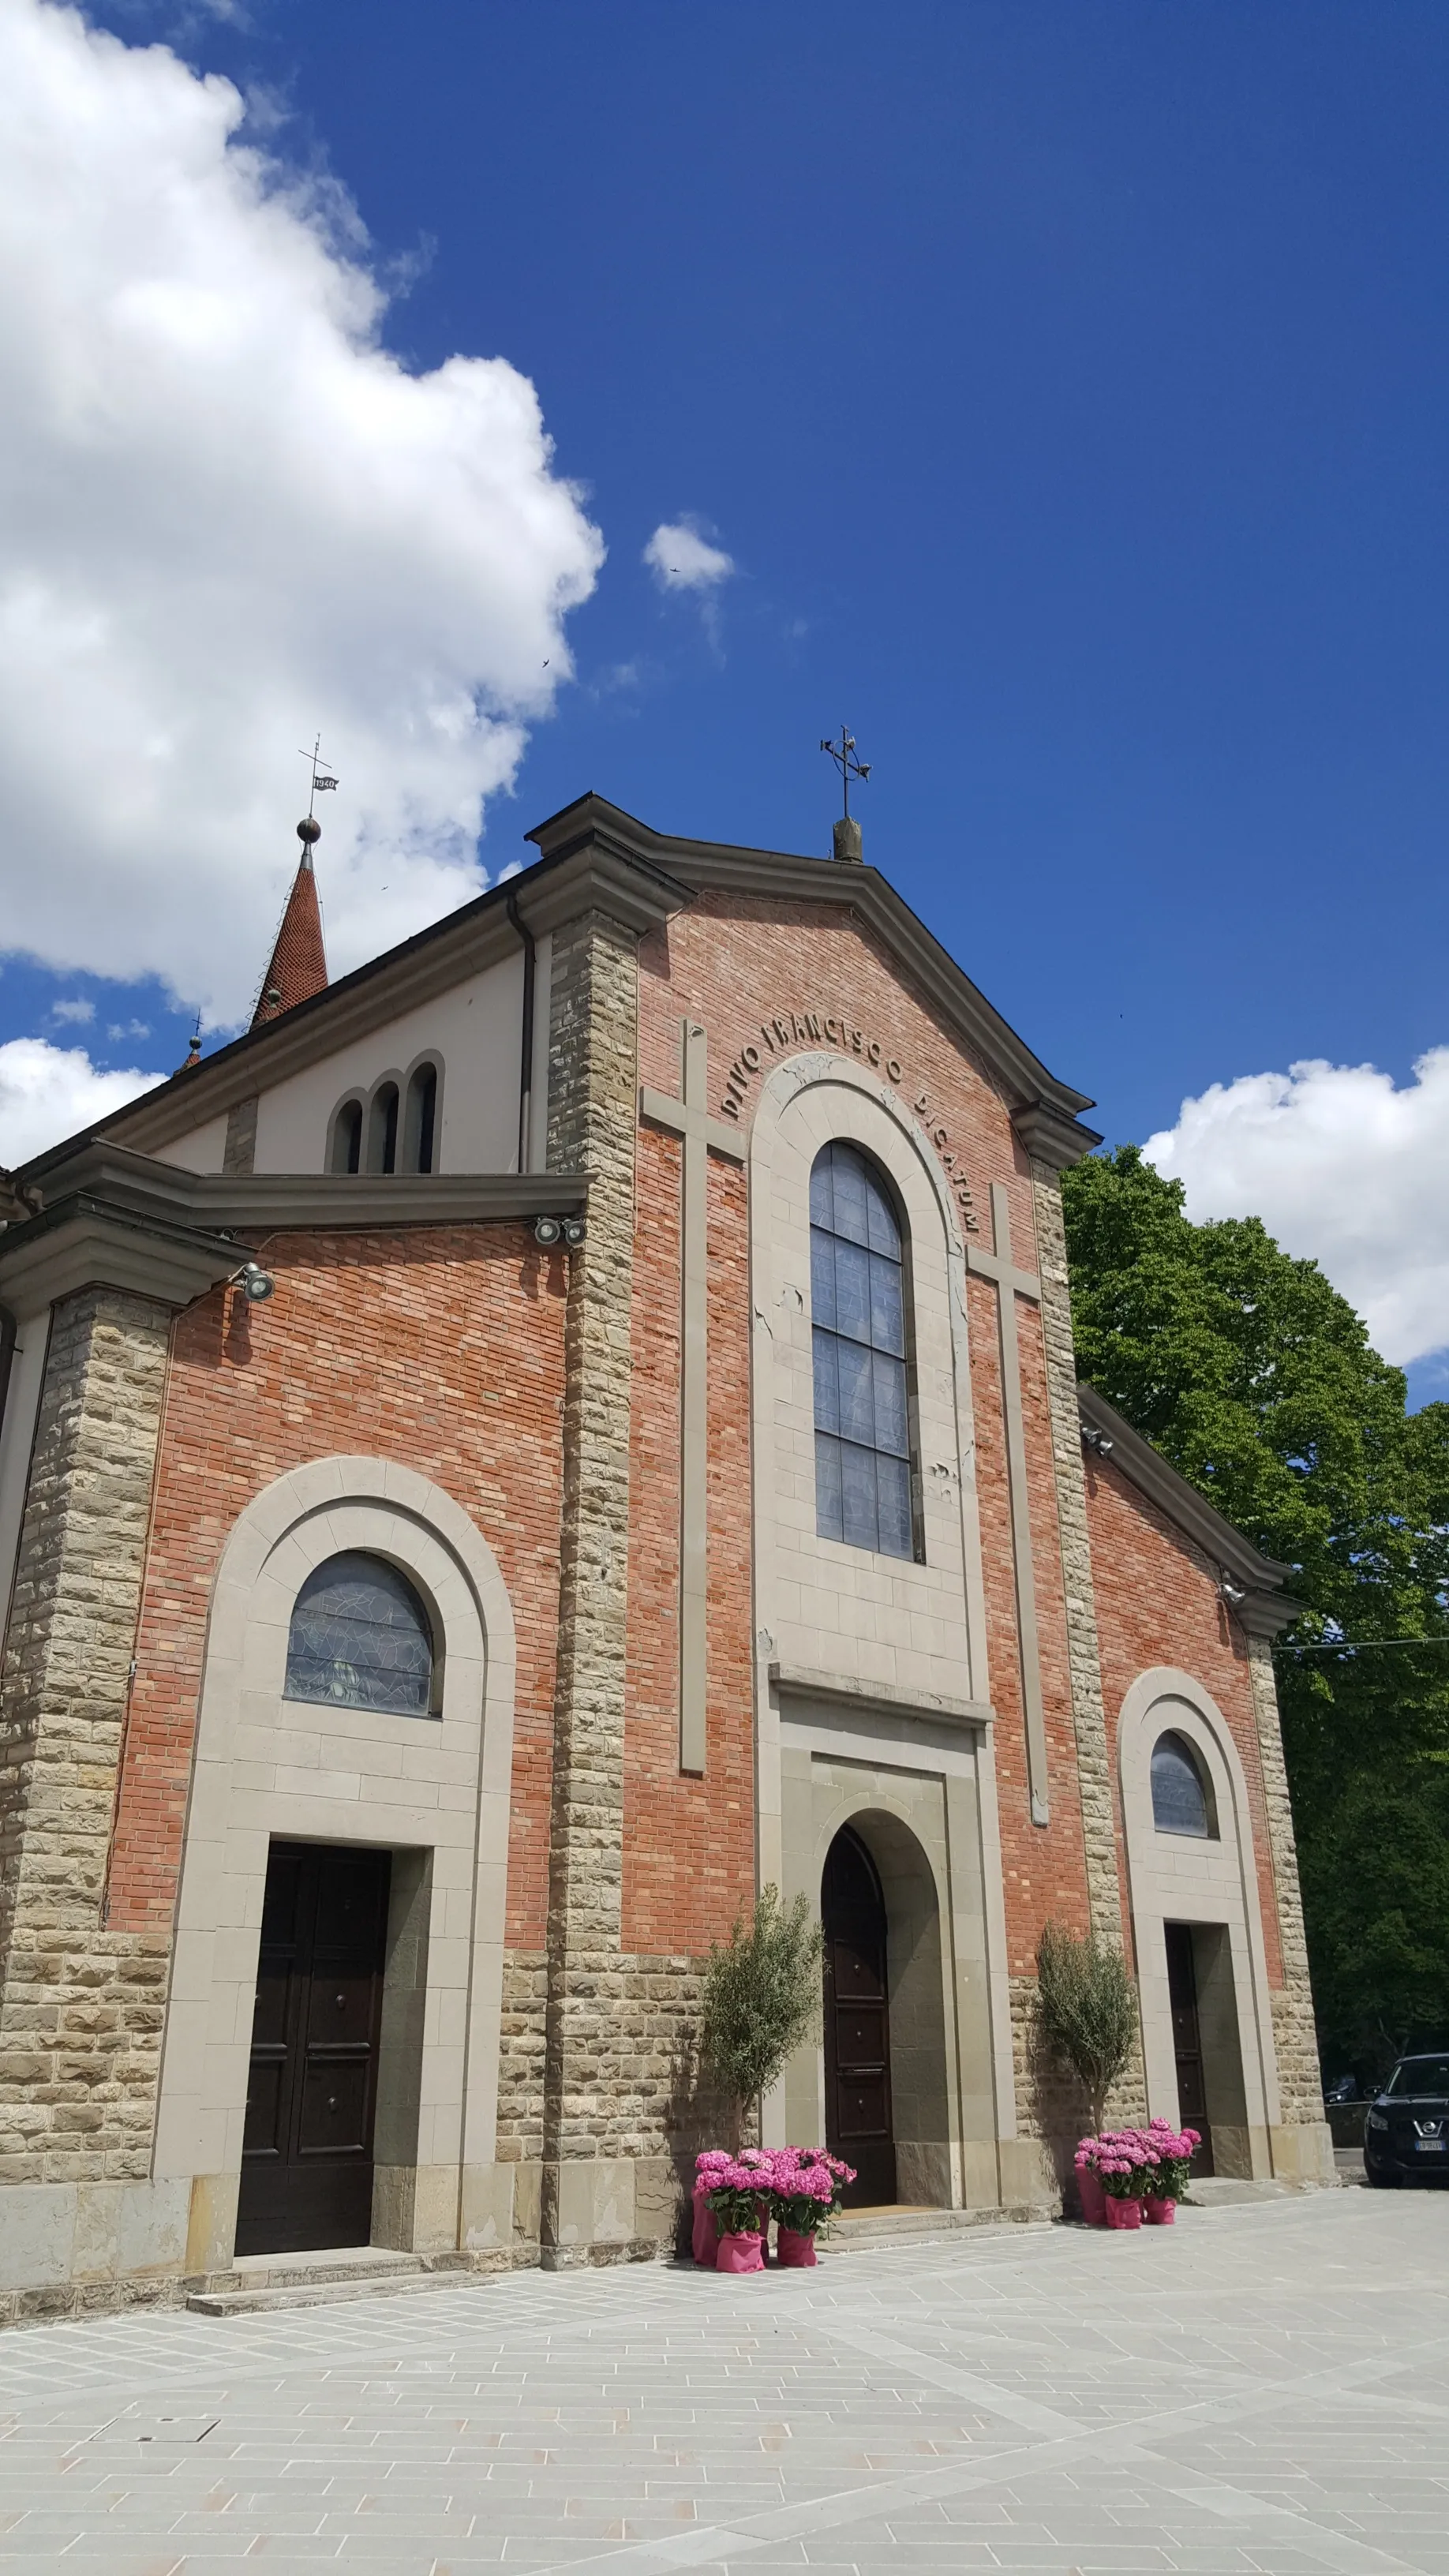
(1092, 2196)
(1123, 2213)
(794, 2250)
(706, 2228)
(740, 2254)
(1160, 2213)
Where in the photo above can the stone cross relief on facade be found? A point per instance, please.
(702, 1135)
(998, 1265)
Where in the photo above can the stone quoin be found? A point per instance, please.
(658, 1470)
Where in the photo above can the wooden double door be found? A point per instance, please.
(859, 2124)
(306, 2178)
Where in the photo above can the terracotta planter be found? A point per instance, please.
(1123, 2213)
(706, 2228)
(1160, 2213)
(1092, 2197)
(740, 2254)
(795, 2251)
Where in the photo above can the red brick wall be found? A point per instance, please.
(733, 963)
(1157, 1603)
(442, 1349)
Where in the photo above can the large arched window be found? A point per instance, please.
(360, 1638)
(1182, 1801)
(858, 1314)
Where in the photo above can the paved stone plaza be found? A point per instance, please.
(1262, 2389)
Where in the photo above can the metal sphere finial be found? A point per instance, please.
(309, 830)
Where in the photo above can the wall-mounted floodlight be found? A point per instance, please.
(1235, 1594)
(1097, 1441)
(255, 1283)
(567, 1230)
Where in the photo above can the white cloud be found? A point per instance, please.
(1341, 1167)
(681, 557)
(47, 1092)
(79, 1010)
(228, 517)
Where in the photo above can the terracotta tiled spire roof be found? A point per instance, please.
(298, 967)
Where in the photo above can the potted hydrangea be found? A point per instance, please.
(735, 2189)
(1172, 2152)
(807, 2188)
(1126, 2167)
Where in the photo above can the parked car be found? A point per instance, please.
(1344, 2089)
(1406, 2131)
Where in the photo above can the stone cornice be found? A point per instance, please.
(109, 1206)
(1044, 1110)
(801, 1681)
(587, 877)
(1265, 1606)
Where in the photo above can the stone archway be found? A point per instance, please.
(887, 2084)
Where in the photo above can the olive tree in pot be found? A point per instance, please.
(1087, 2010)
(761, 1998)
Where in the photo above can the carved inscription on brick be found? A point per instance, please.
(829, 1028)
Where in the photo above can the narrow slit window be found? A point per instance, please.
(422, 1118)
(347, 1138)
(382, 1129)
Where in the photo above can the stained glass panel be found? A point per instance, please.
(360, 1639)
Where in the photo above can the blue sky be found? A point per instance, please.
(1068, 387)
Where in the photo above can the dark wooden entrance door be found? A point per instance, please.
(857, 2022)
(306, 2175)
(1187, 2040)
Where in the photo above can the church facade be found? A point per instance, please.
(569, 1425)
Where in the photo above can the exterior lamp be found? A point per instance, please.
(255, 1283)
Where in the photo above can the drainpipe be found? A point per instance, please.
(525, 1076)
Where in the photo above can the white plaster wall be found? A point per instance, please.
(202, 1151)
(474, 1029)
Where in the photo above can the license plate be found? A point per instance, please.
(1432, 2146)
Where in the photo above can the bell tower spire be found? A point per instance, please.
(298, 965)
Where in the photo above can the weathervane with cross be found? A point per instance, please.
(847, 830)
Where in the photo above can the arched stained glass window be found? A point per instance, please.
(858, 1315)
(360, 1638)
(1181, 1803)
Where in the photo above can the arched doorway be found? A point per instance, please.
(858, 2119)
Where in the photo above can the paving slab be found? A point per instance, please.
(1255, 2392)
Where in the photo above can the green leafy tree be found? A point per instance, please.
(1250, 1372)
(761, 1997)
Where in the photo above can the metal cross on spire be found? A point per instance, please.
(843, 755)
(322, 778)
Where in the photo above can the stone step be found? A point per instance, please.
(258, 2282)
(861, 2227)
(1225, 2191)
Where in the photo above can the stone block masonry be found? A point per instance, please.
(80, 2004)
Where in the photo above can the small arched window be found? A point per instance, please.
(360, 1638)
(858, 1317)
(382, 1129)
(421, 1120)
(1182, 1801)
(346, 1155)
